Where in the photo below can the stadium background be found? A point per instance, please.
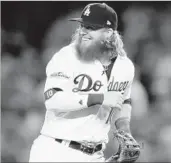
(30, 34)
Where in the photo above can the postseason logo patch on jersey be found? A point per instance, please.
(59, 74)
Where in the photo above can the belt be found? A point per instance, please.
(85, 149)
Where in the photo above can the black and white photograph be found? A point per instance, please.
(85, 81)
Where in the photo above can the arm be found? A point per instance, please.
(58, 87)
(66, 101)
(123, 119)
(129, 149)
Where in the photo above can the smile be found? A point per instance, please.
(86, 38)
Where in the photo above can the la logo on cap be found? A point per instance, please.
(87, 11)
(108, 22)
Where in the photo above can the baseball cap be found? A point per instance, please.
(99, 15)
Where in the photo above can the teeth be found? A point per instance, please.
(85, 38)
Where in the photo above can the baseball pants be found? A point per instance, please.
(46, 149)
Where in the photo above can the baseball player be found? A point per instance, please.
(87, 91)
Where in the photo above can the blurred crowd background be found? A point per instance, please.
(30, 34)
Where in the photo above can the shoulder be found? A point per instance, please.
(64, 53)
(125, 68)
(130, 64)
(61, 59)
(127, 64)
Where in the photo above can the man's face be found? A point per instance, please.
(91, 44)
(89, 35)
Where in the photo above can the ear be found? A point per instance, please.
(109, 32)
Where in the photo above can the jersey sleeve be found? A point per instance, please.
(127, 92)
(59, 73)
(125, 112)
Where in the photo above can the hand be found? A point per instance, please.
(113, 99)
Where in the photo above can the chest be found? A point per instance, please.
(89, 78)
(92, 78)
(118, 75)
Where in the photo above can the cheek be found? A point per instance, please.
(97, 37)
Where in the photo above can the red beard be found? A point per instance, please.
(94, 51)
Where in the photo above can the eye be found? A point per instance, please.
(89, 27)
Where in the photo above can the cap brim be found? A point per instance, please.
(76, 19)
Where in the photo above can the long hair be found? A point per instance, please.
(113, 42)
(76, 34)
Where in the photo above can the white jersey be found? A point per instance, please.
(87, 124)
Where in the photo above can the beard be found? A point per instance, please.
(91, 50)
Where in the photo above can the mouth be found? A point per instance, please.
(86, 38)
